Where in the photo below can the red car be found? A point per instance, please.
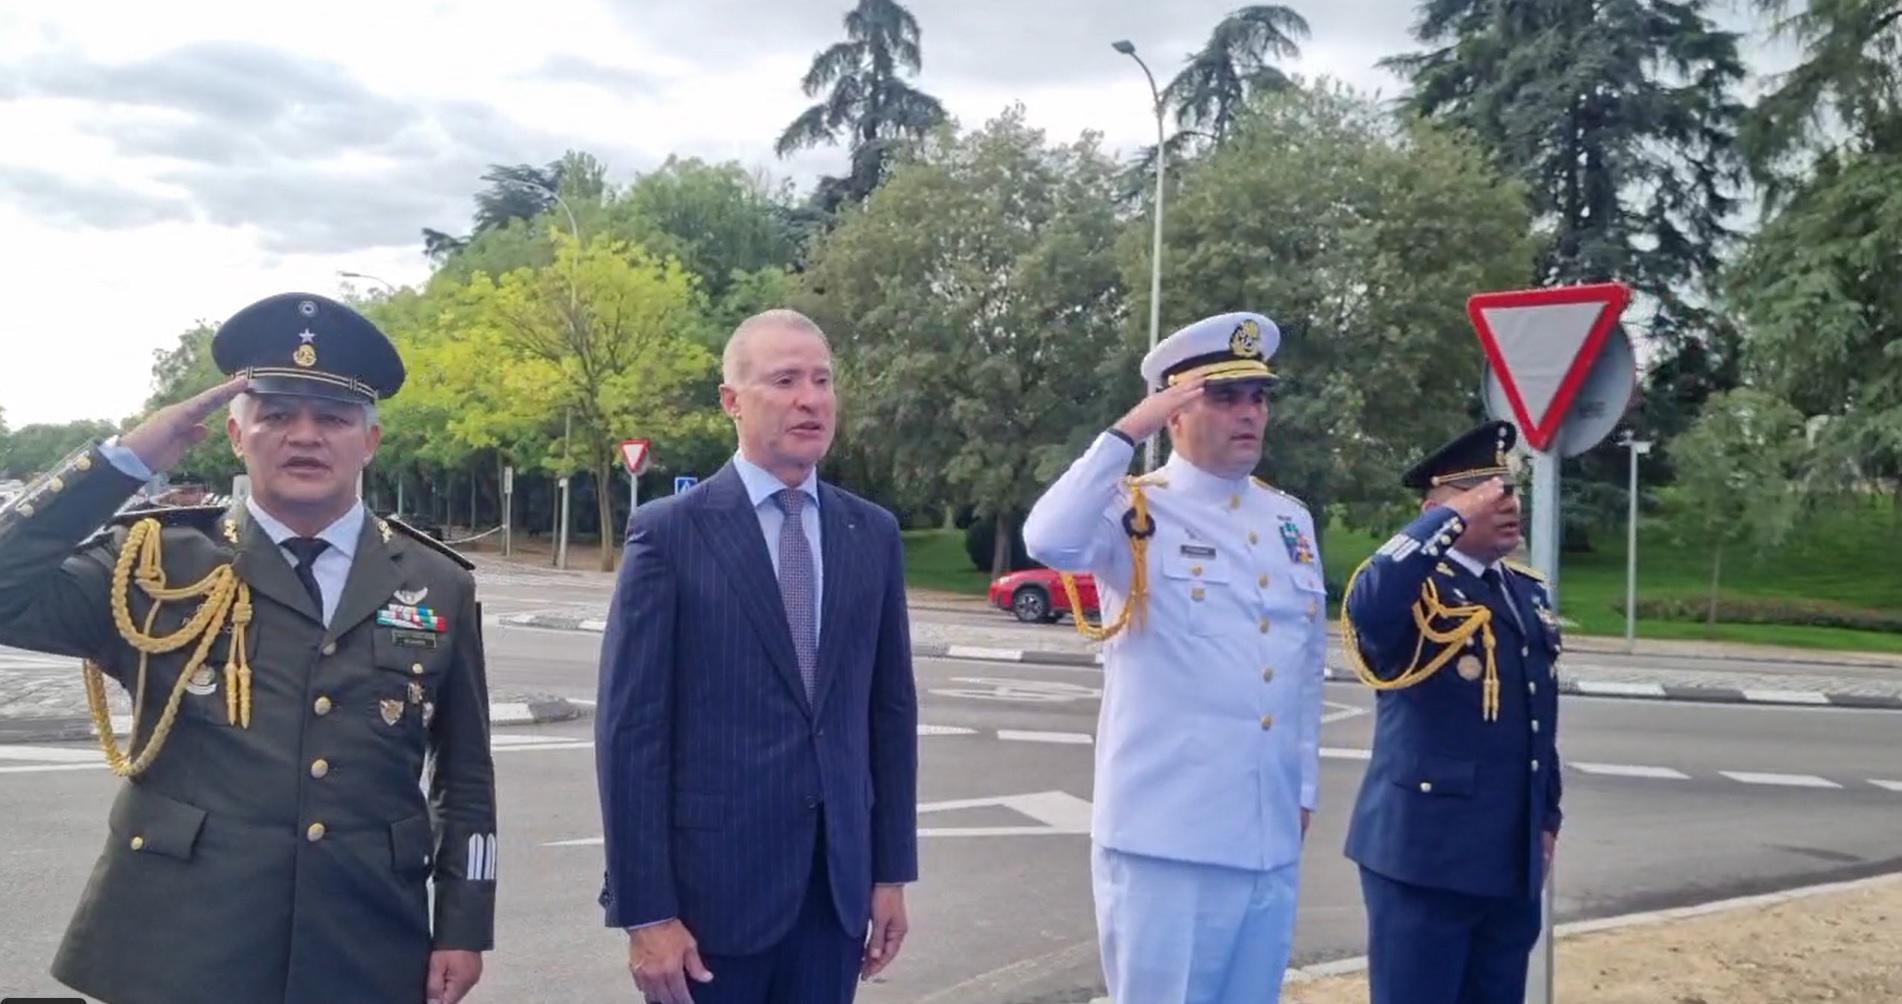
(1036, 595)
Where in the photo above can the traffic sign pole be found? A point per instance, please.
(1545, 558)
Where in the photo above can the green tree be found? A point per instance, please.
(33, 449)
(1362, 244)
(866, 98)
(1619, 116)
(1842, 99)
(599, 335)
(970, 302)
(1823, 312)
(723, 223)
(1237, 62)
(1739, 476)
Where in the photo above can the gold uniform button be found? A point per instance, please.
(1535, 766)
(1264, 625)
(1262, 582)
(1234, 501)
(1196, 594)
(1268, 675)
(54, 484)
(416, 668)
(138, 843)
(83, 463)
(1426, 787)
(1195, 570)
(319, 767)
(315, 833)
(321, 707)
(1535, 725)
(1253, 537)
(330, 648)
(26, 509)
(1267, 722)
(1532, 686)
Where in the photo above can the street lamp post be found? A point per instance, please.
(387, 284)
(1128, 48)
(1638, 449)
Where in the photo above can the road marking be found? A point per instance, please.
(1782, 780)
(1628, 770)
(991, 688)
(1889, 785)
(1786, 696)
(985, 654)
(1069, 738)
(48, 754)
(945, 730)
(47, 768)
(1341, 712)
(1609, 688)
(1337, 753)
(1059, 813)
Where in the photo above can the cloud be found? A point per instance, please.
(60, 198)
(564, 67)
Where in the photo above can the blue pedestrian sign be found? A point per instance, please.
(683, 482)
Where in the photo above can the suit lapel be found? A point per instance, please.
(731, 529)
(839, 551)
(375, 572)
(262, 566)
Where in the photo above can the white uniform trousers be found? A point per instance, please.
(1176, 932)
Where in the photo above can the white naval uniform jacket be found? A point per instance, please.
(1208, 740)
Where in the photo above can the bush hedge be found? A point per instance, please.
(1766, 610)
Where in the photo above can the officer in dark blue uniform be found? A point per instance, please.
(1459, 811)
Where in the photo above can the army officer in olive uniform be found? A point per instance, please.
(298, 661)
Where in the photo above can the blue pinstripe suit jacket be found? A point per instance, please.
(715, 771)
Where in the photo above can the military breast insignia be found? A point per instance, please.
(411, 597)
(401, 615)
(1300, 549)
(415, 692)
(1468, 667)
(203, 682)
(429, 712)
(392, 710)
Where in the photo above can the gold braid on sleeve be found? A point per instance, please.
(1471, 619)
(1140, 527)
(224, 596)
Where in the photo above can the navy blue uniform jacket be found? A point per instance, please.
(715, 771)
(1451, 800)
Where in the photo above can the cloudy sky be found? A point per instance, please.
(170, 162)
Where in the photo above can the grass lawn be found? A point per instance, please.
(935, 559)
(1846, 557)
(1849, 557)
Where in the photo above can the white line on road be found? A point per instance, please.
(945, 730)
(1786, 696)
(1628, 770)
(1337, 753)
(1025, 736)
(1609, 688)
(48, 754)
(1888, 785)
(1782, 780)
(980, 652)
(1340, 712)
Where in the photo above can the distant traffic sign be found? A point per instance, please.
(1600, 404)
(634, 454)
(1542, 344)
(684, 482)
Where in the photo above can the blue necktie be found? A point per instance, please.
(796, 585)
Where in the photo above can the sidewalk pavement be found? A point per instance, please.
(1594, 667)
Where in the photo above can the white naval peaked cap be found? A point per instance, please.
(1224, 347)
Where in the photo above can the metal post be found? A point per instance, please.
(1638, 449)
(1545, 557)
(508, 511)
(633, 495)
(1155, 254)
(561, 547)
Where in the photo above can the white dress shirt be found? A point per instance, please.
(332, 567)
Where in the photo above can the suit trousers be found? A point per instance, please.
(1193, 933)
(817, 962)
(1436, 946)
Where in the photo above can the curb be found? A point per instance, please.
(536, 711)
(1581, 688)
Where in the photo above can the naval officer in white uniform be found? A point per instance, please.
(1208, 746)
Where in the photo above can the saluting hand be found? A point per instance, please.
(161, 441)
(1154, 411)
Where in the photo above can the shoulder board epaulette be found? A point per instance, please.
(426, 540)
(1278, 491)
(172, 515)
(1526, 570)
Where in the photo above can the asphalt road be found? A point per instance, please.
(1667, 804)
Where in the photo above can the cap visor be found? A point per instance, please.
(303, 387)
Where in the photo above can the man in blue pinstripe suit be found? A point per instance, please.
(756, 736)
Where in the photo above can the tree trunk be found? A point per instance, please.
(1716, 569)
(604, 505)
(1000, 548)
(474, 492)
